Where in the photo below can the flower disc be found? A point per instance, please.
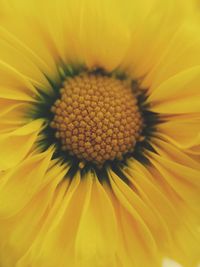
(97, 118)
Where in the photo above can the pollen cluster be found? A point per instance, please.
(96, 118)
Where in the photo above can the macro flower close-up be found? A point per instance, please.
(99, 133)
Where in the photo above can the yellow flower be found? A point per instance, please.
(99, 133)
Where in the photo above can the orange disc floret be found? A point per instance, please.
(97, 118)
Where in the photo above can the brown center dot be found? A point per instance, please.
(97, 118)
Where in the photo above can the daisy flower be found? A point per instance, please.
(99, 133)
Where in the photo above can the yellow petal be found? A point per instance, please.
(96, 238)
(15, 242)
(184, 181)
(143, 242)
(104, 38)
(75, 31)
(12, 114)
(180, 184)
(51, 246)
(183, 133)
(15, 145)
(154, 23)
(14, 193)
(179, 94)
(169, 151)
(154, 215)
(180, 54)
(12, 54)
(152, 188)
(14, 85)
(15, 32)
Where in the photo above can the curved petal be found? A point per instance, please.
(154, 23)
(72, 31)
(14, 193)
(183, 133)
(31, 216)
(181, 185)
(12, 114)
(51, 245)
(180, 54)
(14, 85)
(16, 144)
(15, 34)
(169, 151)
(183, 180)
(94, 226)
(136, 216)
(178, 95)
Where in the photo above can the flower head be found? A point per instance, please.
(99, 133)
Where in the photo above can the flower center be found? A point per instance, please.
(97, 118)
